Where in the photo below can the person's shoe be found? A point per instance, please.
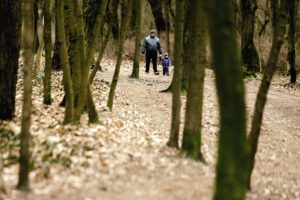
(156, 73)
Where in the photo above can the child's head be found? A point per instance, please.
(166, 55)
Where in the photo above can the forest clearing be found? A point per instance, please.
(127, 156)
(149, 99)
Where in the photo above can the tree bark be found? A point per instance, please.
(115, 4)
(62, 46)
(176, 83)
(249, 52)
(196, 51)
(292, 40)
(138, 29)
(10, 18)
(40, 38)
(124, 26)
(28, 44)
(156, 7)
(48, 52)
(232, 152)
(261, 98)
(85, 86)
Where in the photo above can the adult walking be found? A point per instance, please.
(150, 47)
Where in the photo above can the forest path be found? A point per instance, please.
(126, 157)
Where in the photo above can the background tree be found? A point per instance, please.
(261, 98)
(196, 56)
(138, 29)
(232, 153)
(176, 82)
(157, 11)
(28, 45)
(48, 51)
(292, 39)
(124, 25)
(249, 52)
(62, 46)
(10, 18)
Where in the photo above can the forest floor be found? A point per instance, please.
(126, 157)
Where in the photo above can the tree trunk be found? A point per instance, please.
(10, 18)
(85, 86)
(62, 46)
(48, 51)
(176, 83)
(292, 41)
(167, 16)
(75, 50)
(124, 26)
(115, 4)
(232, 152)
(56, 60)
(196, 51)
(40, 37)
(261, 98)
(156, 7)
(138, 29)
(249, 52)
(28, 44)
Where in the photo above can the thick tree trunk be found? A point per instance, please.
(124, 26)
(48, 52)
(176, 83)
(168, 28)
(292, 41)
(10, 18)
(196, 51)
(232, 152)
(62, 46)
(261, 99)
(28, 43)
(75, 50)
(157, 11)
(249, 52)
(138, 29)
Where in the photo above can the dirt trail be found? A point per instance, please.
(140, 166)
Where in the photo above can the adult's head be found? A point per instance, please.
(152, 33)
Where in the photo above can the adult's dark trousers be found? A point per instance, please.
(151, 56)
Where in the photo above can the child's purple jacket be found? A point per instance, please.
(165, 62)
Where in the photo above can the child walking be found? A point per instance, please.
(166, 63)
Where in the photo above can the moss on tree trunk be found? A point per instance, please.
(196, 54)
(176, 82)
(231, 166)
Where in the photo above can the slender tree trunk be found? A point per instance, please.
(176, 87)
(292, 41)
(167, 17)
(249, 52)
(196, 52)
(138, 29)
(124, 26)
(274, 10)
(232, 152)
(40, 37)
(10, 18)
(278, 39)
(85, 86)
(48, 52)
(56, 60)
(61, 39)
(115, 4)
(28, 43)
